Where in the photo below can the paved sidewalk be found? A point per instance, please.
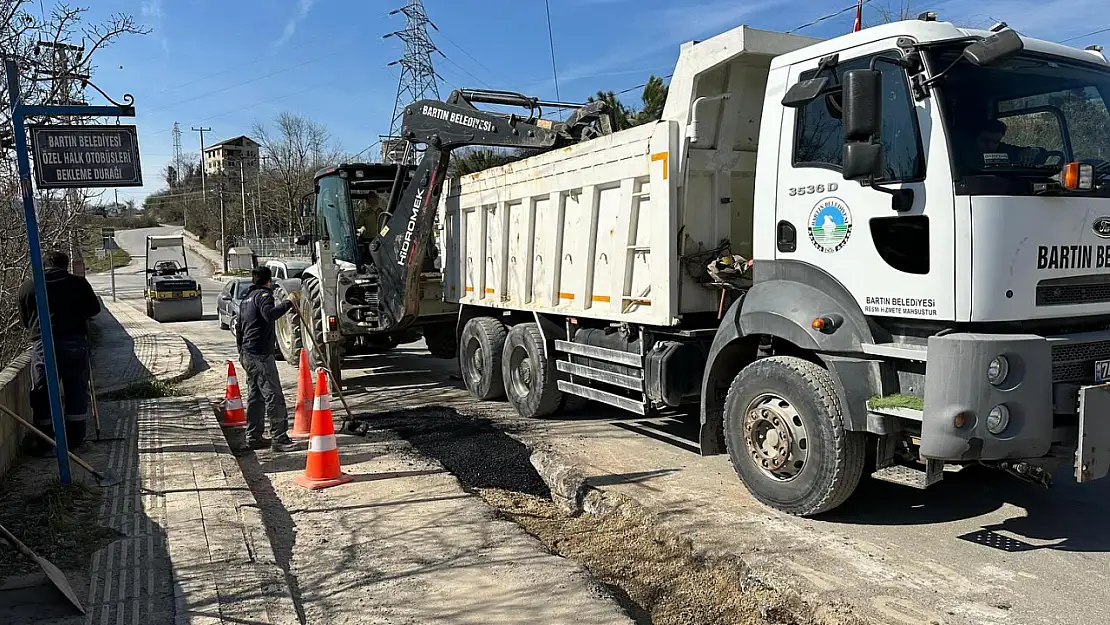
(193, 548)
(130, 348)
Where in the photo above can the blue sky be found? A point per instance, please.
(225, 64)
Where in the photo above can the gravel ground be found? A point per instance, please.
(655, 576)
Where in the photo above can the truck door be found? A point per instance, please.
(895, 264)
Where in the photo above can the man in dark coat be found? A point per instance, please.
(72, 303)
(255, 338)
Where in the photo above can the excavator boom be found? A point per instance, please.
(400, 247)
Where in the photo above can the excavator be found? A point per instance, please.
(366, 289)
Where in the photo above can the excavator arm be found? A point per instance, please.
(399, 249)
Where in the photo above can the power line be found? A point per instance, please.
(1090, 34)
(827, 17)
(551, 43)
(441, 34)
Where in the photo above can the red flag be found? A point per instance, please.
(859, 17)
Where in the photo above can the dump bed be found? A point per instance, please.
(621, 227)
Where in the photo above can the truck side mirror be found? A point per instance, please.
(804, 91)
(995, 49)
(302, 239)
(862, 161)
(862, 104)
(862, 113)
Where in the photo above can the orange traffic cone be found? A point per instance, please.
(322, 467)
(302, 415)
(234, 415)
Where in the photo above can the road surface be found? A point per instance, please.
(131, 280)
(980, 548)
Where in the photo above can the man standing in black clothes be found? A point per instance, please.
(72, 303)
(254, 336)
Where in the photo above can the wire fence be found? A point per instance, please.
(277, 247)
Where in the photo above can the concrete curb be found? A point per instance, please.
(570, 489)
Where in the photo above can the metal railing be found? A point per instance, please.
(277, 247)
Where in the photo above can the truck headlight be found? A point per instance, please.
(997, 370)
(998, 419)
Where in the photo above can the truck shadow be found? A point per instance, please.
(1066, 517)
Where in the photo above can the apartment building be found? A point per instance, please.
(226, 155)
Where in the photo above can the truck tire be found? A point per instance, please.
(480, 349)
(287, 333)
(784, 431)
(320, 354)
(529, 375)
(441, 340)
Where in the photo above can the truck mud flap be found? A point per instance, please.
(1092, 455)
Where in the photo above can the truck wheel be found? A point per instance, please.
(320, 354)
(441, 341)
(528, 374)
(784, 430)
(287, 332)
(480, 348)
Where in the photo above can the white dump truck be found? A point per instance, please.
(884, 252)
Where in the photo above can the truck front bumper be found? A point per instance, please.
(1055, 407)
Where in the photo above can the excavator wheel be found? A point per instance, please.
(320, 354)
(441, 340)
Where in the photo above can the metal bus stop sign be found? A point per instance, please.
(86, 156)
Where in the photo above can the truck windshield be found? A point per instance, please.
(1016, 123)
(335, 219)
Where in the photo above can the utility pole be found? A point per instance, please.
(258, 199)
(243, 190)
(204, 178)
(223, 226)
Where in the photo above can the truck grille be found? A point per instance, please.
(1071, 291)
(1075, 362)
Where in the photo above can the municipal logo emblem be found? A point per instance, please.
(830, 225)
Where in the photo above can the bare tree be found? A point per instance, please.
(49, 73)
(896, 10)
(293, 149)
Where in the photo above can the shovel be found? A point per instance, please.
(342, 400)
(92, 394)
(56, 576)
(105, 479)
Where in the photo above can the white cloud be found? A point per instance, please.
(152, 8)
(303, 7)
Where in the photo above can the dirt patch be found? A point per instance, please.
(60, 523)
(655, 576)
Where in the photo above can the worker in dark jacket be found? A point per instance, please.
(72, 303)
(255, 337)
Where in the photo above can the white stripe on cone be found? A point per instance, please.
(322, 443)
(232, 380)
(321, 403)
(234, 404)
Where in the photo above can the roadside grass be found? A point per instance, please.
(147, 389)
(897, 401)
(95, 264)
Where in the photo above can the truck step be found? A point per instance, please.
(599, 353)
(632, 383)
(912, 477)
(612, 399)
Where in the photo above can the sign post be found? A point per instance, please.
(20, 112)
(108, 237)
